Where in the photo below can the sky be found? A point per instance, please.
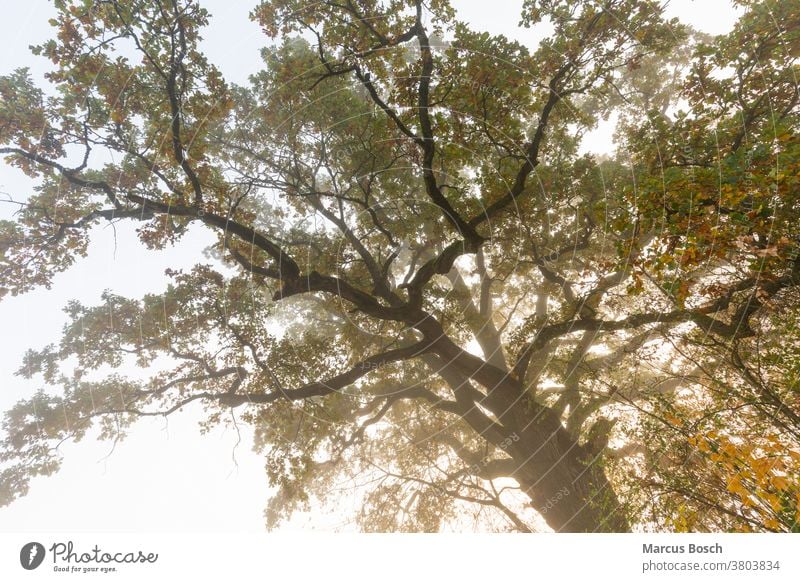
(166, 476)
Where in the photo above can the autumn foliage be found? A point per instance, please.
(422, 284)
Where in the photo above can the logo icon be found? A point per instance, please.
(31, 555)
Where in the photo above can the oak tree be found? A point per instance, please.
(421, 282)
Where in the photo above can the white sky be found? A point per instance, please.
(175, 479)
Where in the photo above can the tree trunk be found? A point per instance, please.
(566, 482)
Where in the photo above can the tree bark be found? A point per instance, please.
(564, 479)
(566, 483)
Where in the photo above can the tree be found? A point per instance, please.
(419, 282)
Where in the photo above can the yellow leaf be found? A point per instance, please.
(780, 482)
(735, 486)
(761, 467)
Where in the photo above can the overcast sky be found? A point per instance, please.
(166, 476)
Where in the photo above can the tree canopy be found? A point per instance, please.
(421, 283)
